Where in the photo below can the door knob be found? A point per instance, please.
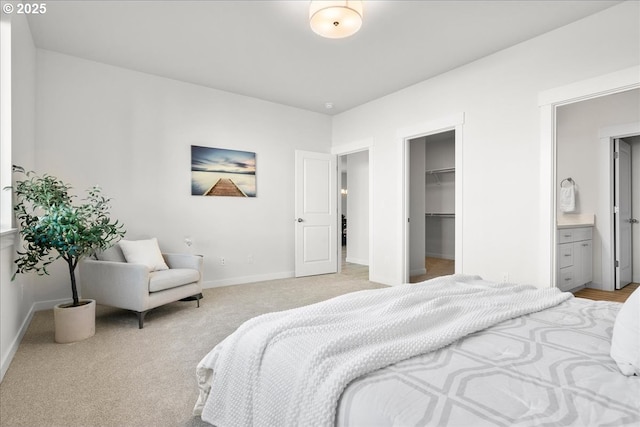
(633, 221)
(300, 220)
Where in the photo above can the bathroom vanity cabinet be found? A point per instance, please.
(575, 257)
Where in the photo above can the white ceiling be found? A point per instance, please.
(265, 49)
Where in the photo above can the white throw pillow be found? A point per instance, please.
(625, 342)
(145, 252)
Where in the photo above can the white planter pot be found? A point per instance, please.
(74, 323)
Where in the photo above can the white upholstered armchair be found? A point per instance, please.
(115, 280)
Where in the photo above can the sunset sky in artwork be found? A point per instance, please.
(208, 159)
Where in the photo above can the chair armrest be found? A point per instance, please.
(118, 284)
(194, 262)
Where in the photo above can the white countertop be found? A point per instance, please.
(576, 220)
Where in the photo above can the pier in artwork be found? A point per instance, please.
(225, 187)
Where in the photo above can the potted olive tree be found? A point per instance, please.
(54, 225)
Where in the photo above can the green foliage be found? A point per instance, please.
(52, 226)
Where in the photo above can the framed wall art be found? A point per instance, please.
(222, 172)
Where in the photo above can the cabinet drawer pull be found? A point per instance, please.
(585, 244)
(567, 254)
(566, 279)
(567, 235)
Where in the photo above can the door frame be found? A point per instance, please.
(365, 144)
(454, 122)
(607, 137)
(548, 102)
(622, 198)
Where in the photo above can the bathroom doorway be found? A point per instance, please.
(586, 135)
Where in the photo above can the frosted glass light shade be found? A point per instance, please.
(335, 19)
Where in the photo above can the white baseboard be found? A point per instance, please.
(592, 285)
(357, 261)
(418, 272)
(441, 256)
(13, 348)
(247, 279)
(48, 305)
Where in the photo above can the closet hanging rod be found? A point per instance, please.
(442, 170)
(436, 173)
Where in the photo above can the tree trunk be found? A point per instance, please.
(74, 288)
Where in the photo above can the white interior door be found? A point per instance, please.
(623, 219)
(316, 214)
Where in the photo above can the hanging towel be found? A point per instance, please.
(568, 199)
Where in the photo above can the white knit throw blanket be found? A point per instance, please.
(289, 368)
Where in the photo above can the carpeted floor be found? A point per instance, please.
(125, 376)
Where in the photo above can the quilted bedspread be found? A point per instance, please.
(549, 368)
(290, 368)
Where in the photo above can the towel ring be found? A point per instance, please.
(569, 180)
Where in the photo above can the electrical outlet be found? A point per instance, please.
(222, 261)
(249, 259)
(505, 277)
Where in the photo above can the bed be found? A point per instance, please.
(451, 351)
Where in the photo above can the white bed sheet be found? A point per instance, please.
(547, 368)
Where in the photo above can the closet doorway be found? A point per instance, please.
(432, 196)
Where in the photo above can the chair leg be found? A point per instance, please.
(141, 315)
(196, 297)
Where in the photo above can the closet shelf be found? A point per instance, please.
(441, 215)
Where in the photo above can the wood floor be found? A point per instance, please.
(436, 267)
(620, 295)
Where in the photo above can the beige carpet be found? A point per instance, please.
(125, 376)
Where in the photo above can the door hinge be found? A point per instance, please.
(616, 210)
(616, 154)
(617, 263)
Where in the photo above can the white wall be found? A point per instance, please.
(16, 297)
(131, 133)
(582, 156)
(501, 141)
(343, 186)
(358, 208)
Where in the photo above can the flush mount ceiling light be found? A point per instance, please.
(335, 19)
